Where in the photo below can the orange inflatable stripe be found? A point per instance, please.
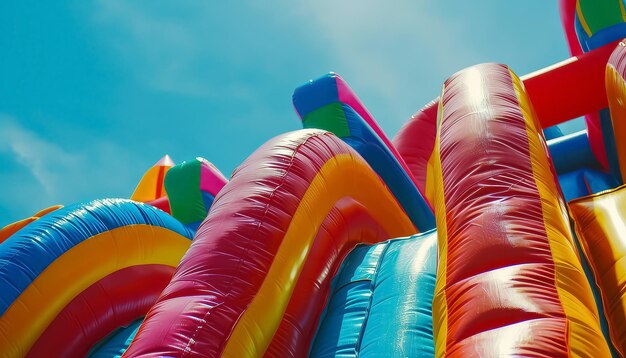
(11, 229)
(71, 273)
(150, 186)
(509, 280)
(47, 210)
(599, 221)
(584, 334)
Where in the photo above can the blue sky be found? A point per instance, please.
(92, 93)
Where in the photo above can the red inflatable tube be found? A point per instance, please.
(302, 175)
(348, 224)
(416, 153)
(113, 302)
(162, 203)
(571, 88)
(567, 90)
(567, 10)
(509, 282)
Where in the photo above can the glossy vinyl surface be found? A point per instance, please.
(116, 344)
(600, 226)
(191, 188)
(52, 260)
(230, 292)
(509, 281)
(616, 92)
(381, 301)
(569, 89)
(114, 301)
(12, 228)
(583, 182)
(347, 224)
(150, 186)
(328, 103)
(416, 152)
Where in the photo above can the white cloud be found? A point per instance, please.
(42, 158)
(100, 169)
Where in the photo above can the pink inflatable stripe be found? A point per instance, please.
(211, 179)
(346, 95)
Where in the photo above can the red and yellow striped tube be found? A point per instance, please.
(231, 290)
(347, 225)
(600, 223)
(510, 282)
(616, 94)
(71, 274)
(112, 302)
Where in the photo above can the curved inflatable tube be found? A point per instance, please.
(566, 90)
(599, 22)
(114, 301)
(44, 266)
(347, 224)
(569, 89)
(14, 227)
(567, 11)
(599, 222)
(319, 105)
(333, 88)
(583, 182)
(415, 143)
(232, 288)
(571, 152)
(510, 281)
(391, 279)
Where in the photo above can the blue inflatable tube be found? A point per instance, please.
(390, 281)
(319, 106)
(571, 152)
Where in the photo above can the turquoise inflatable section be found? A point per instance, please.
(381, 301)
(115, 345)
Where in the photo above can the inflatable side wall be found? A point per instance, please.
(230, 292)
(83, 252)
(395, 279)
(509, 280)
(599, 221)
